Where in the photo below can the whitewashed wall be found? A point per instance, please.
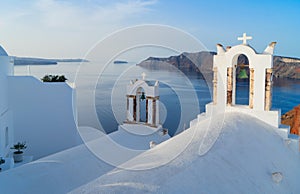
(43, 115)
(5, 70)
(6, 127)
(6, 133)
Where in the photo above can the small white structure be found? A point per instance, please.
(6, 126)
(225, 66)
(142, 120)
(138, 91)
(42, 114)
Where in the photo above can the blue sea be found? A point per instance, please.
(182, 96)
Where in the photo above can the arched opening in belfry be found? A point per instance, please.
(141, 105)
(242, 80)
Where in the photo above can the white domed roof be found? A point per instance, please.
(3, 52)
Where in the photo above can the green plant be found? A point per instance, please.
(2, 161)
(46, 78)
(62, 78)
(19, 147)
(54, 78)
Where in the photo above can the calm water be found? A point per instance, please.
(286, 95)
(182, 97)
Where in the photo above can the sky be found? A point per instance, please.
(69, 29)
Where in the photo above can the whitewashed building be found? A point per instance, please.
(6, 126)
(41, 114)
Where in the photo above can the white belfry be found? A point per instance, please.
(135, 91)
(225, 66)
(245, 38)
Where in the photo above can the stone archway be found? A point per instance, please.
(240, 82)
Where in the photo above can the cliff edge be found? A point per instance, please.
(284, 67)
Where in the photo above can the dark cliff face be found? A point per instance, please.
(199, 63)
(184, 61)
(284, 67)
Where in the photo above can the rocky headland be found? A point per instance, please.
(284, 67)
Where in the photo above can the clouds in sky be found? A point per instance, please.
(88, 13)
(67, 28)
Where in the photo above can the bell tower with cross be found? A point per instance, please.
(260, 81)
(138, 91)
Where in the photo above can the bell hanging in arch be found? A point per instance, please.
(143, 96)
(243, 74)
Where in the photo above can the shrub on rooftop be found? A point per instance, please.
(54, 78)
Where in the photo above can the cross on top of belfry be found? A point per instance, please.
(245, 38)
(143, 75)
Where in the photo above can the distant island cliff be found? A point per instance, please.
(40, 61)
(284, 67)
(120, 62)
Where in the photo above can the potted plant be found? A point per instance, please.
(18, 155)
(2, 161)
